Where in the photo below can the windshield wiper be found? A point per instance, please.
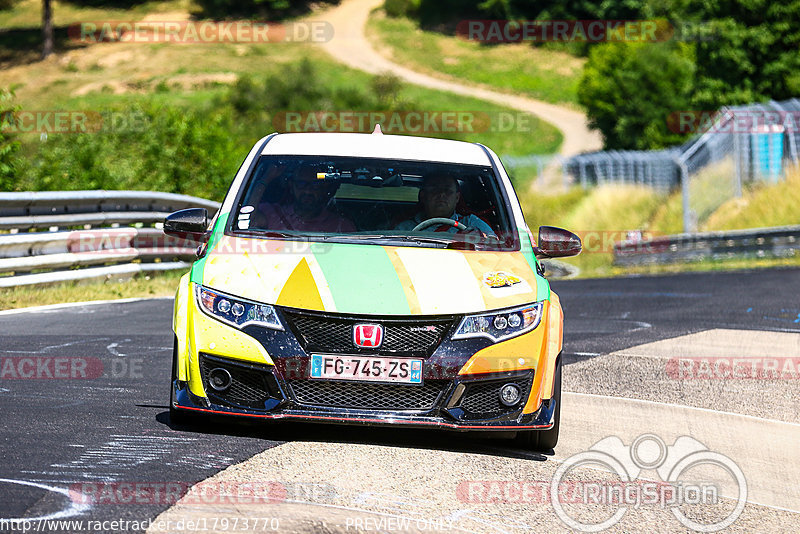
(448, 243)
(362, 236)
(271, 233)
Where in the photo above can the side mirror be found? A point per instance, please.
(556, 243)
(190, 223)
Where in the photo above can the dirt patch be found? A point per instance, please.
(186, 82)
(168, 16)
(113, 86)
(115, 58)
(199, 81)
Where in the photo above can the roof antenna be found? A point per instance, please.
(377, 130)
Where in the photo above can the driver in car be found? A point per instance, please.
(308, 211)
(438, 198)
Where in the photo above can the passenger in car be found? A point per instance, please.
(308, 211)
(439, 197)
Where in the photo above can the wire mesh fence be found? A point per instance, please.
(734, 146)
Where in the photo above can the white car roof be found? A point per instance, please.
(377, 146)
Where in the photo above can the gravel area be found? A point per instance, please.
(397, 489)
(646, 372)
(447, 482)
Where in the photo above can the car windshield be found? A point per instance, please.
(415, 203)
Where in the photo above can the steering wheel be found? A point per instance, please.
(441, 220)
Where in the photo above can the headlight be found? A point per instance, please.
(235, 311)
(501, 325)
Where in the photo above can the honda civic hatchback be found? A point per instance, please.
(375, 280)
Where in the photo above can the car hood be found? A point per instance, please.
(370, 279)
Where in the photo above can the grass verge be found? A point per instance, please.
(159, 285)
(701, 266)
(546, 75)
(761, 206)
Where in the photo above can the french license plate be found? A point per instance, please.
(366, 368)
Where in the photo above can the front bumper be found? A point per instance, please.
(277, 384)
(450, 411)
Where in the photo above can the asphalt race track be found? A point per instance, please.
(59, 432)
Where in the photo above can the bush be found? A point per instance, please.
(301, 87)
(629, 90)
(176, 151)
(401, 8)
(9, 146)
(386, 88)
(272, 9)
(437, 12)
(194, 152)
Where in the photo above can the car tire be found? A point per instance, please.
(546, 440)
(176, 416)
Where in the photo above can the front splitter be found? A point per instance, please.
(542, 419)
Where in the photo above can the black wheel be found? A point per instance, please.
(545, 440)
(176, 416)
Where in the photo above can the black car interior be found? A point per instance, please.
(376, 195)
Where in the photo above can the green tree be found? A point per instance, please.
(47, 28)
(629, 89)
(165, 149)
(274, 9)
(752, 53)
(9, 146)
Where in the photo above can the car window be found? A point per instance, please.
(412, 203)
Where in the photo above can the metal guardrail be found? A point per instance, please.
(777, 242)
(75, 248)
(23, 211)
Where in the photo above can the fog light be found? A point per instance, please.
(219, 379)
(510, 394)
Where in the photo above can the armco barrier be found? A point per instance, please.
(79, 245)
(23, 211)
(778, 242)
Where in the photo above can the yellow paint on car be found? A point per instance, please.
(516, 354)
(300, 290)
(227, 341)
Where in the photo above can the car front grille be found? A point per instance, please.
(331, 334)
(482, 399)
(250, 387)
(342, 394)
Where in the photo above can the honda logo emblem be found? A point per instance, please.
(368, 335)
